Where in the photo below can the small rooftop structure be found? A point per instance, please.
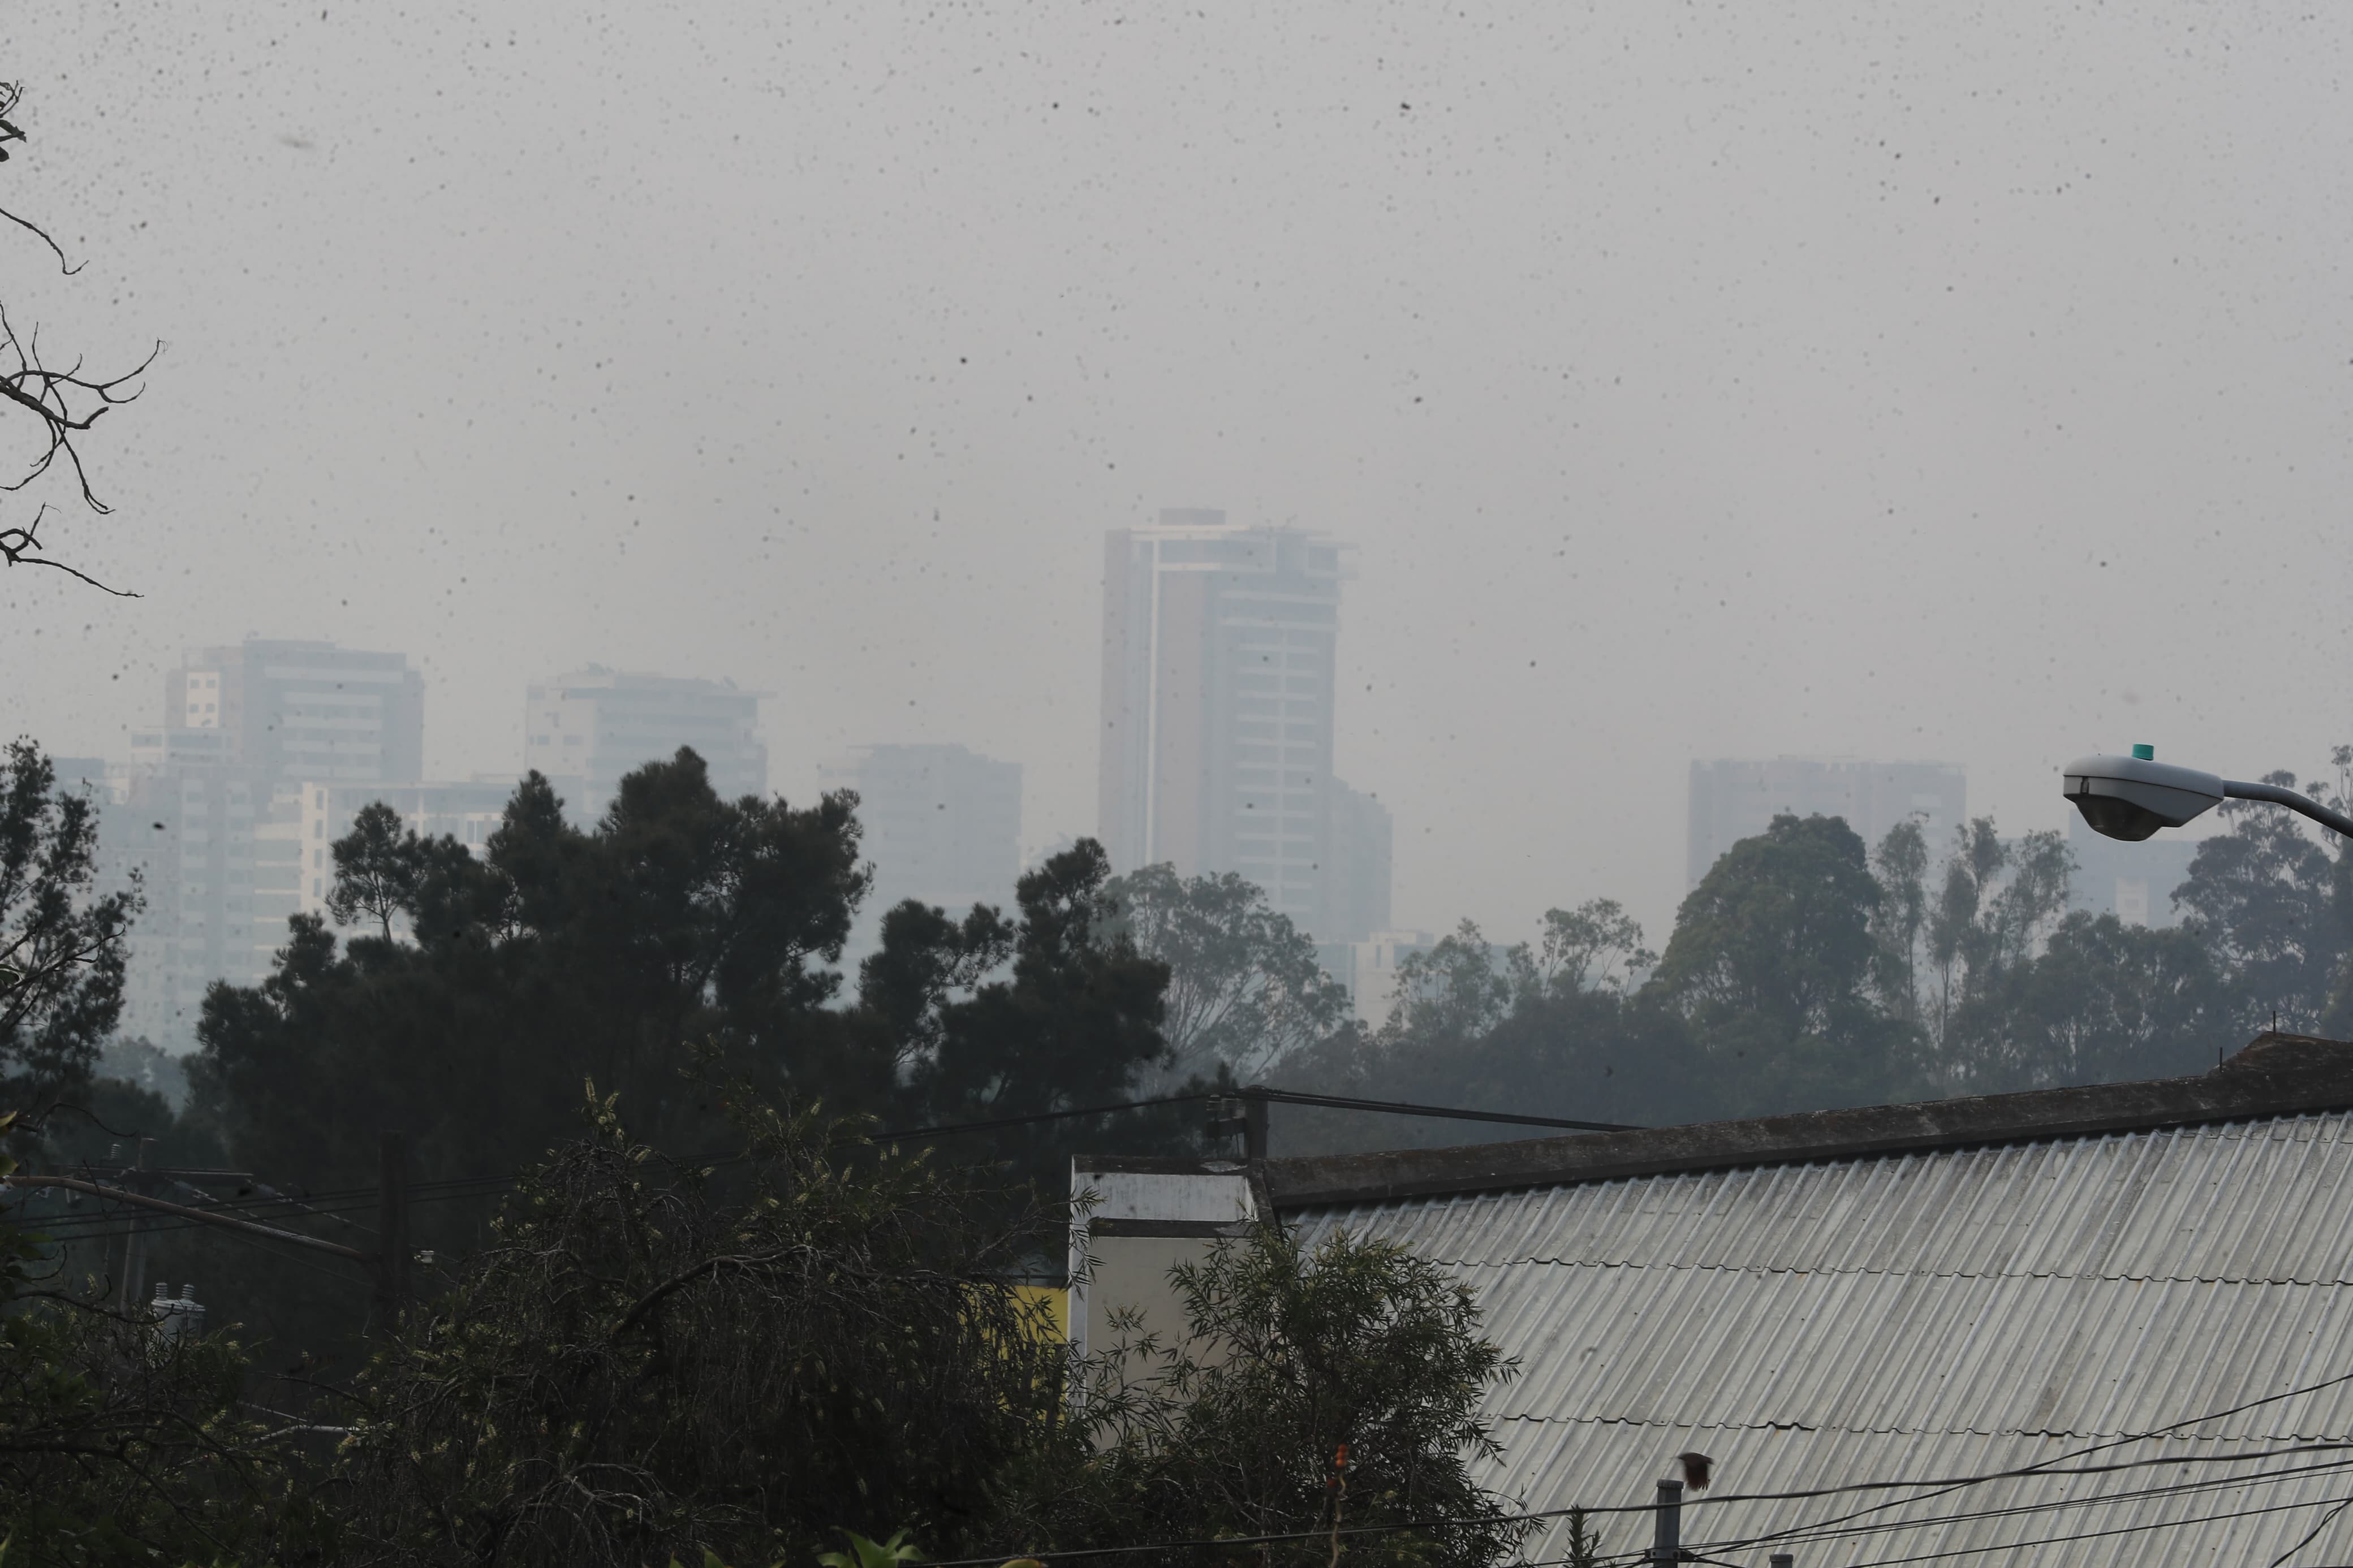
(2101, 1325)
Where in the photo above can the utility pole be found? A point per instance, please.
(390, 1229)
(134, 1249)
(1667, 1527)
(1244, 1113)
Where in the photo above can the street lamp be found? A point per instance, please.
(2132, 797)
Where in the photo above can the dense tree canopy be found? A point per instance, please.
(682, 932)
(1772, 962)
(61, 941)
(1803, 973)
(1245, 990)
(644, 1363)
(680, 942)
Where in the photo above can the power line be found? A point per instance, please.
(1547, 1516)
(322, 1202)
(1804, 1535)
(1399, 1108)
(2048, 1467)
(2019, 1546)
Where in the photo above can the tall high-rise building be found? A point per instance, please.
(208, 809)
(943, 824)
(586, 729)
(1731, 799)
(1218, 689)
(304, 709)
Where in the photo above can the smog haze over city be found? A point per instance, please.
(1687, 381)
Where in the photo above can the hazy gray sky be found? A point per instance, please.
(1961, 382)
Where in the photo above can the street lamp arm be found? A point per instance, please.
(2335, 821)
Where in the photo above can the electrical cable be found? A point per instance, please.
(323, 1201)
(2014, 1547)
(1803, 1535)
(2022, 1546)
(1554, 1515)
(2046, 1467)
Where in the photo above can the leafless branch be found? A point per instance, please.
(17, 546)
(67, 401)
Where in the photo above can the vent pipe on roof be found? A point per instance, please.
(1666, 1540)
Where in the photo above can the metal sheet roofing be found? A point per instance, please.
(2180, 1300)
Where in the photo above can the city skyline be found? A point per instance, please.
(1809, 450)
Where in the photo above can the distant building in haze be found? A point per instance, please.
(943, 824)
(1356, 872)
(1367, 966)
(2134, 882)
(208, 810)
(1731, 799)
(1218, 706)
(303, 709)
(586, 729)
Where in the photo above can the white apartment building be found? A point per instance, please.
(207, 809)
(586, 729)
(1217, 707)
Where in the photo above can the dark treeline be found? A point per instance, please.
(594, 1370)
(680, 948)
(1805, 971)
(684, 944)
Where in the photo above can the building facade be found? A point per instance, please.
(584, 730)
(1357, 872)
(1218, 708)
(1735, 799)
(943, 824)
(295, 710)
(207, 810)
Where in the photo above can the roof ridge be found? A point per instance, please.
(2274, 1076)
(1521, 1260)
(2064, 1434)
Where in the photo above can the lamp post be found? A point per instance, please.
(2132, 797)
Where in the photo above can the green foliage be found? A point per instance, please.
(1580, 1543)
(116, 1446)
(651, 1360)
(681, 933)
(1336, 1386)
(2272, 900)
(1550, 1030)
(865, 1553)
(682, 939)
(61, 942)
(1802, 974)
(680, 926)
(1772, 961)
(992, 1018)
(1244, 988)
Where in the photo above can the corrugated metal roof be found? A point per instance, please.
(1933, 1315)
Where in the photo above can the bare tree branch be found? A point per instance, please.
(67, 401)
